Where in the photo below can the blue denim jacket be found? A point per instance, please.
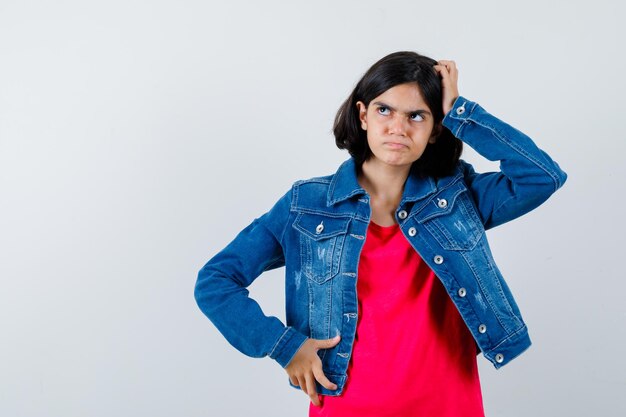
(317, 230)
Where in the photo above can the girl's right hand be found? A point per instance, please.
(449, 83)
(306, 367)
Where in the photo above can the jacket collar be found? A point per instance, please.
(344, 185)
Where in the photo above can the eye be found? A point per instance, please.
(383, 110)
(417, 117)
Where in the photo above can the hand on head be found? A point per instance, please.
(449, 74)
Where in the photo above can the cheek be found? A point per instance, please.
(374, 127)
(377, 119)
(425, 129)
(428, 127)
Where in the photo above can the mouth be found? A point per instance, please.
(395, 145)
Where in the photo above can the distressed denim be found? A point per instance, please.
(317, 229)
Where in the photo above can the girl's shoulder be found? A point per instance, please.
(326, 191)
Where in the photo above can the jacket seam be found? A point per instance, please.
(278, 341)
(323, 213)
(319, 180)
(510, 336)
(520, 150)
(282, 235)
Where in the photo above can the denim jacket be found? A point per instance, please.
(318, 227)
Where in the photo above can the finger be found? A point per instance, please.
(312, 391)
(442, 70)
(294, 381)
(448, 63)
(450, 66)
(328, 343)
(321, 378)
(448, 75)
(302, 384)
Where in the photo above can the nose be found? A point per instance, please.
(397, 126)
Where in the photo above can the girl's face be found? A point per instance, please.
(399, 125)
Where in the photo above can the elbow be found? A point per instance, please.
(542, 188)
(547, 188)
(200, 290)
(545, 183)
(196, 289)
(561, 178)
(558, 179)
(558, 175)
(212, 290)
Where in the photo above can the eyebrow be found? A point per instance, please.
(418, 111)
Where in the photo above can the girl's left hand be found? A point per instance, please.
(449, 78)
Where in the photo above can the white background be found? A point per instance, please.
(138, 137)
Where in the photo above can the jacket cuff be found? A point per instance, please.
(287, 346)
(461, 110)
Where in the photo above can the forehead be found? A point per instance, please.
(404, 97)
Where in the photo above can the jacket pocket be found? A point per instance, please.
(451, 218)
(321, 243)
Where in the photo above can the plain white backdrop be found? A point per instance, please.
(138, 137)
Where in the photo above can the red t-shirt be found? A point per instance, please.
(413, 354)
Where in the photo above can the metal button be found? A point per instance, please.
(442, 203)
(482, 328)
(460, 110)
(412, 231)
(462, 292)
(499, 358)
(438, 259)
(319, 228)
(402, 214)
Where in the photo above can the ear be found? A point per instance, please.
(435, 133)
(362, 114)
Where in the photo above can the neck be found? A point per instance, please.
(382, 181)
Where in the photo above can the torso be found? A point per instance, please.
(412, 354)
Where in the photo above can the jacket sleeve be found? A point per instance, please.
(527, 176)
(221, 293)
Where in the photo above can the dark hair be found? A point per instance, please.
(439, 158)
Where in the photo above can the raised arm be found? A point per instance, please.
(527, 176)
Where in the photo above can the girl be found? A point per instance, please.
(391, 287)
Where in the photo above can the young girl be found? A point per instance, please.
(391, 287)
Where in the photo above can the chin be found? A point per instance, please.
(398, 161)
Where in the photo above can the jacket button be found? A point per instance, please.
(319, 228)
(438, 259)
(499, 358)
(462, 292)
(482, 328)
(460, 110)
(412, 231)
(402, 214)
(442, 203)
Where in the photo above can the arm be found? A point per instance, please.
(527, 177)
(222, 296)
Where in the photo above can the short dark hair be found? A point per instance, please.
(440, 158)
